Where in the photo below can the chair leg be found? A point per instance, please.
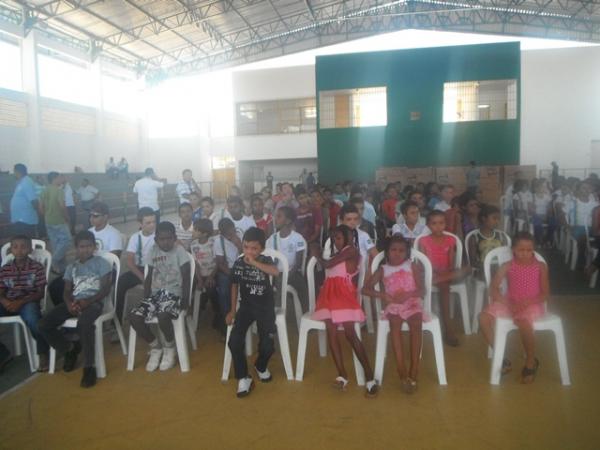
(297, 306)
(301, 355)
(561, 352)
(52, 362)
(438, 348)
(322, 335)
(189, 325)
(17, 340)
(99, 349)
(227, 356)
(196, 310)
(381, 349)
(131, 351)
(500, 336)
(181, 343)
(284, 346)
(358, 368)
(369, 314)
(119, 329)
(464, 307)
(574, 254)
(28, 345)
(593, 280)
(479, 296)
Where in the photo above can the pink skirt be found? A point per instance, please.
(405, 310)
(529, 314)
(338, 302)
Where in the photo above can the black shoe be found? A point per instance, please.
(89, 377)
(71, 357)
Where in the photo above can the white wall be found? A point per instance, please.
(560, 106)
(169, 156)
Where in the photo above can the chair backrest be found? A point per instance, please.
(473, 233)
(458, 243)
(415, 256)
(115, 264)
(280, 257)
(44, 257)
(310, 278)
(500, 256)
(35, 243)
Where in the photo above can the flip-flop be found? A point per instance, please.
(409, 386)
(527, 372)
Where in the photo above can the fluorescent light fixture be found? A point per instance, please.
(483, 106)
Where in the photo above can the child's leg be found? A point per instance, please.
(358, 348)
(396, 331)
(444, 290)
(486, 322)
(237, 341)
(528, 339)
(415, 324)
(86, 329)
(137, 319)
(224, 292)
(265, 322)
(336, 350)
(165, 323)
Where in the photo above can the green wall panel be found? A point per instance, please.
(415, 82)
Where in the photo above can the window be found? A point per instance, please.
(346, 108)
(276, 117)
(67, 81)
(10, 74)
(467, 101)
(223, 162)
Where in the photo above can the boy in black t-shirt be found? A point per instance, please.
(250, 277)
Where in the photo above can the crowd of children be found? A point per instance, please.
(343, 228)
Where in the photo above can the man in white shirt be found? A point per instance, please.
(186, 186)
(235, 212)
(447, 196)
(146, 189)
(108, 238)
(88, 194)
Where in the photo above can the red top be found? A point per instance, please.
(389, 209)
(264, 222)
(438, 252)
(20, 282)
(334, 212)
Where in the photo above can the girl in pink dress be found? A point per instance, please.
(338, 305)
(524, 301)
(401, 287)
(441, 250)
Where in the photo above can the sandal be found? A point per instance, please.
(409, 386)
(372, 389)
(527, 374)
(340, 383)
(506, 366)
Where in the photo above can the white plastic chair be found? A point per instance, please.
(506, 219)
(280, 323)
(503, 326)
(459, 288)
(433, 326)
(308, 323)
(179, 328)
(35, 244)
(107, 315)
(479, 286)
(45, 258)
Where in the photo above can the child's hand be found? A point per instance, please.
(400, 297)
(73, 308)
(249, 260)
(229, 318)
(388, 298)
(13, 306)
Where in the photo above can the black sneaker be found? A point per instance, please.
(89, 377)
(71, 357)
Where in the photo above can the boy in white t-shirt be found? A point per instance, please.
(235, 212)
(202, 249)
(292, 245)
(227, 248)
(136, 254)
(447, 196)
(108, 238)
(185, 227)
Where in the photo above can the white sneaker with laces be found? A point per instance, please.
(265, 376)
(154, 360)
(168, 358)
(245, 386)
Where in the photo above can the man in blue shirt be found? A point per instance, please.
(24, 204)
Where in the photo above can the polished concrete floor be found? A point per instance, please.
(195, 410)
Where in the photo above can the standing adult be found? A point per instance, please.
(473, 176)
(186, 186)
(303, 176)
(88, 194)
(270, 181)
(310, 181)
(123, 168)
(146, 189)
(555, 176)
(24, 204)
(70, 204)
(111, 168)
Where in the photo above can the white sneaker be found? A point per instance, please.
(168, 358)
(265, 376)
(154, 360)
(245, 385)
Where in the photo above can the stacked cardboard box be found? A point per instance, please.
(490, 184)
(416, 175)
(524, 172)
(390, 174)
(456, 176)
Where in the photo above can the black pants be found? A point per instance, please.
(48, 327)
(126, 281)
(265, 321)
(72, 212)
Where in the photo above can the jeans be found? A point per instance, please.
(50, 323)
(224, 292)
(60, 239)
(265, 322)
(31, 314)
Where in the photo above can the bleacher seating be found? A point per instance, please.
(118, 194)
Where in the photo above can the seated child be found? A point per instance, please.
(447, 194)
(227, 247)
(185, 227)
(202, 248)
(264, 220)
(22, 283)
(388, 206)
(250, 277)
(412, 226)
(166, 293)
(402, 289)
(524, 301)
(486, 239)
(136, 254)
(87, 283)
(208, 208)
(292, 245)
(440, 249)
(308, 219)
